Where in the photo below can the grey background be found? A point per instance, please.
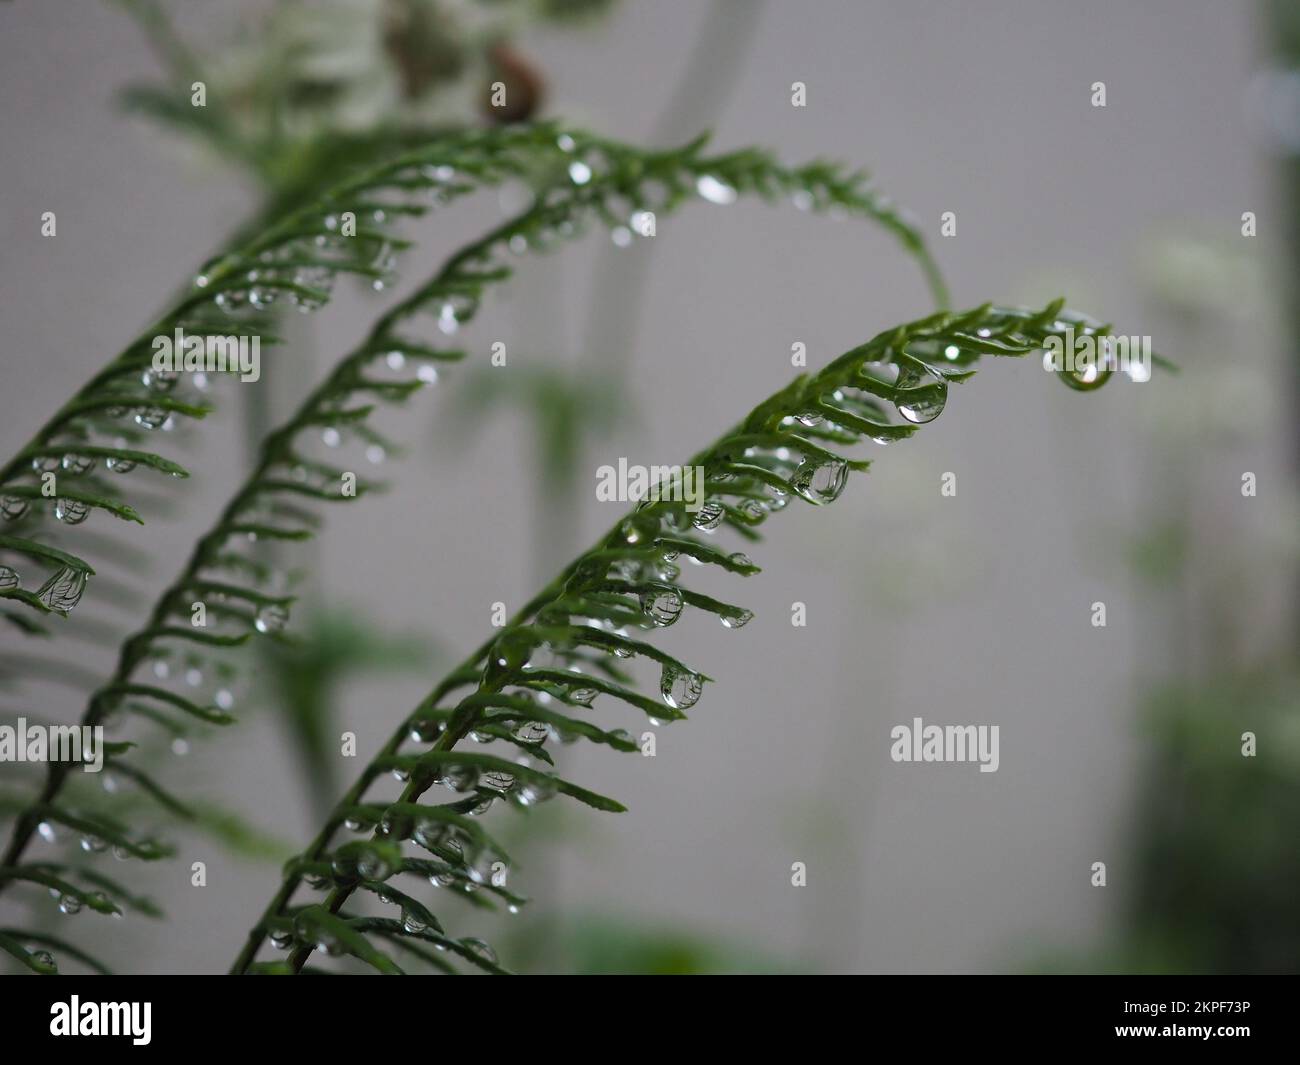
(966, 610)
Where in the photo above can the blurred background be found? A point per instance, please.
(1119, 744)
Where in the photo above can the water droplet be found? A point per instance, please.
(8, 578)
(373, 866)
(271, 618)
(319, 278)
(664, 606)
(709, 516)
(447, 321)
(458, 777)
(715, 191)
(926, 401)
(820, 482)
(232, 301)
(71, 511)
(92, 844)
(738, 620)
(180, 747)
(739, 558)
(44, 958)
(497, 780)
(480, 948)
(401, 775)
(753, 509)
(352, 824)
(331, 437)
(160, 380)
(117, 464)
(533, 732)
(63, 590)
(428, 373)
(679, 688)
(76, 465)
(430, 834)
(425, 730)
(45, 463)
(621, 236)
(69, 904)
(413, 923)
(640, 528)
(47, 833)
(305, 931)
(345, 867)
(13, 507)
(579, 172)
(1086, 378)
(281, 940)
(194, 676)
(509, 654)
(810, 418)
(150, 417)
(531, 792)
(261, 297)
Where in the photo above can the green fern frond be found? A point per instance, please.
(527, 684)
(235, 588)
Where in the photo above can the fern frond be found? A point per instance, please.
(596, 179)
(511, 688)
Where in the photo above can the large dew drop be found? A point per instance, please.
(71, 511)
(680, 689)
(664, 606)
(709, 516)
(820, 482)
(924, 395)
(150, 417)
(63, 591)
